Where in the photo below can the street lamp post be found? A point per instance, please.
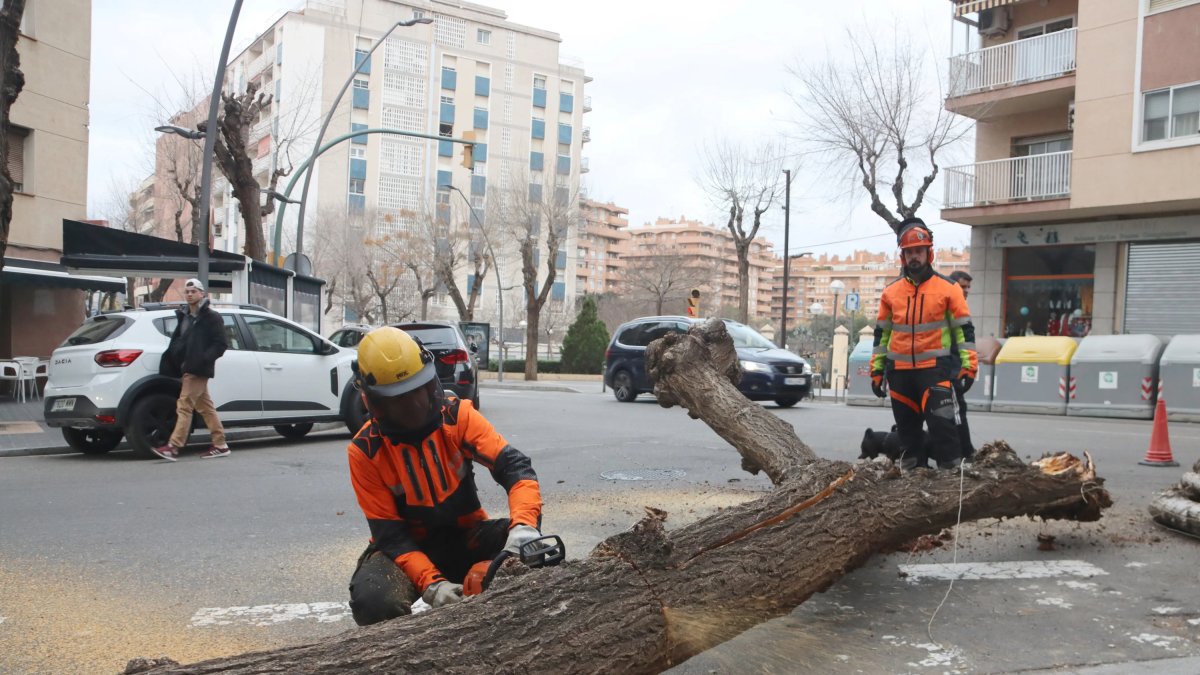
(495, 266)
(329, 118)
(210, 140)
(787, 228)
(837, 286)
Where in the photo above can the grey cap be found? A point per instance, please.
(194, 283)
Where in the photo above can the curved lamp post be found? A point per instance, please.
(329, 118)
(210, 141)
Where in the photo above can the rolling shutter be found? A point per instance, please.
(1160, 288)
(1163, 5)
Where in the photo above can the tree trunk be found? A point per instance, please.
(647, 599)
(13, 83)
(533, 315)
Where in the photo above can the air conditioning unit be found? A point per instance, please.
(1071, 116)
(993, 21)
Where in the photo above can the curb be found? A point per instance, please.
(251, 434)
(529, 387)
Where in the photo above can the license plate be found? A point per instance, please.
(794, 380)
(63, 404)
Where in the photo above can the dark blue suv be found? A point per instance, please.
(768, 372)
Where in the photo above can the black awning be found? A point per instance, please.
(43, 274)
(92, 247)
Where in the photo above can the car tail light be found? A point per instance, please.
(106, 419)
(454, 356)
(117, 358)
(607, 353)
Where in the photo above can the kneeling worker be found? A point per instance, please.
(412, 468)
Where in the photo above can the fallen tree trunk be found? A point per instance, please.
(647, 598)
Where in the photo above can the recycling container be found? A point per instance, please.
(1031, 375)
(1179, 378)
(1114, 376)
(980, 395)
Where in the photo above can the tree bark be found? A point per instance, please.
(10, 89)
(647, 599)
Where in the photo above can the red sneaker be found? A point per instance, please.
(214, 451)
(167, 452)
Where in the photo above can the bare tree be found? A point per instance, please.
(14, 82)
(871, 117)
(536, 212)
(340, 254)
(443, 242)
(663, 273)
(742, 182)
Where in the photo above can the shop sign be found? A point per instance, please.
(1029, 374)
(1137, 229)
(1108, 379)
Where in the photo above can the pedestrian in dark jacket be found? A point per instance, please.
(196, 344)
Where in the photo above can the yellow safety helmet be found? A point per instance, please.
(390, 363)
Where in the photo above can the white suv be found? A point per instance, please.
(104, 383)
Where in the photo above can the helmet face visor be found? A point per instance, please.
(427, 374)
(407, 412)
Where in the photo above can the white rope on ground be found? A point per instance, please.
(961, 483)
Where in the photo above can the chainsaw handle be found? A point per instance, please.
(545, 551)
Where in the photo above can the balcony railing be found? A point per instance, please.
(1016, 62)
(587, 104)
(1002, 181)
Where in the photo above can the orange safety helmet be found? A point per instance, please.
(914, 233)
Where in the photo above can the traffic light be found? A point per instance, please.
(694, 303)
(469, 151)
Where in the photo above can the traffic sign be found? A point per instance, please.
(852, 302)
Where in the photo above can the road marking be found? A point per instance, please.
(269, 615)
(1020, 569)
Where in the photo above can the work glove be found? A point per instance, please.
(965, 379)
(442, 593)
(518, 535)
(878, 385)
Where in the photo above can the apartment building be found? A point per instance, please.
(810, 280)
(712, 247)
(1082, 199)
(602, 242)
(468, 72)
(48, 159)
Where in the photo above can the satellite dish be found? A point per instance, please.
(298, 263)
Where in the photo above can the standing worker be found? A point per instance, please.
(963, 279)
(196, 344)
(924, 340)
(412, 469)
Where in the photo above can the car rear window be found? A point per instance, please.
(433, 336)
(98, 329)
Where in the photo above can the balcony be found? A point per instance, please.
(1005, 181)
(996, 81)
(583, 165)
(586, 137)
(587, 104)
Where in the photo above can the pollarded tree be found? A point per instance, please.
(584, 344)
(13, 83)
(743, 182)
(871, 116)
(665, 274)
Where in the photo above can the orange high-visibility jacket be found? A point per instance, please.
(408, 492)
(923, 325)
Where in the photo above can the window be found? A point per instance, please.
(360, 83)
(357, 185)
(1171, 113)
(16, 156)
(1048, 290)
(361, 139)
(539, 81)
(538, 128)
(358, 153)
(446, 130)
(483, 37)
(361, 55)
(418, 14)
(273, 336)
(449, 78)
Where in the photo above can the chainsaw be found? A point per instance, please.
(546, 551)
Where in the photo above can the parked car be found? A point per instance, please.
(455, 365)
(349, 336)
(455, 360)
(104, 384)
(768, 372)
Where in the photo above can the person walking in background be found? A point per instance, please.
(963, 279)
(196, 344)
(924, 340)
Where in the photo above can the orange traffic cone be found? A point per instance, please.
(1159, 453)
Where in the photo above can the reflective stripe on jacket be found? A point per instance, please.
(922, 322)
(408, 493)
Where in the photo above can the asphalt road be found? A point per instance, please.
(106, 558)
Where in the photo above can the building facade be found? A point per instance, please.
(1084, 208)
(601, 246)
(810, 281)
(48, 160)
(712, 248)
(469, 74)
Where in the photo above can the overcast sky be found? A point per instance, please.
(668, 75)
